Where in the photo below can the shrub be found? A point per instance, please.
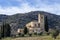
(25, 30)
(41, 33)
(47, 33)
(22, 35)
(35, 33)
(30, 34)
(55, 33)
(19, 34)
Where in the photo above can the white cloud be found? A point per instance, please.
(26, 7)
(13, 10)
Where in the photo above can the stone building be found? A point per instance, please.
(20, 31)
(37, 26)
(15, 30)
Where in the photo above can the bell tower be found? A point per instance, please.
(41, 23)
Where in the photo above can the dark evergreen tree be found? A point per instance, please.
(46, 24)
(0, 32)
(25, 30)
(6, 30)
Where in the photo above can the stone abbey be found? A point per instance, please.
(35, 26)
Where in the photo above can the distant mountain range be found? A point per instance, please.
(23, 19)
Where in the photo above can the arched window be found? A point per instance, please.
(38, 24)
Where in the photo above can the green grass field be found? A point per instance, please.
(33, 38)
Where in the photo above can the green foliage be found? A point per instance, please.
(46, 24)
(55, 33)
(23, 19)
(21, 35)
(41, 33)
(25, 30)
(6, 30)
(30, 34)
(48, 33)
(0, 32)
(35, 33)
(32, 38)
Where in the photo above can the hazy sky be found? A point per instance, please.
(21, 6)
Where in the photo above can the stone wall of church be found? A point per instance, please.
(41, 20)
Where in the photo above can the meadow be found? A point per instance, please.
(33, 38)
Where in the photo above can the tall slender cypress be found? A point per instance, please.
(46, 24)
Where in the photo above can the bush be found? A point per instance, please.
(48, 33)
(41, 33)
(30, 34)
(35, 33)
(55, 33)
(19, 34)
(22, 35)
(13, 35)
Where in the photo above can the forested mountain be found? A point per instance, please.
(23, 18)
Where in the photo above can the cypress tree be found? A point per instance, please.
(6, 30)
(25, 30)
(46, 24)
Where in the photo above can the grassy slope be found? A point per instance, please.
(33, 38)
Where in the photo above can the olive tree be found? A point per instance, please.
(55, 33)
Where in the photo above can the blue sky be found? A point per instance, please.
(10, 7)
